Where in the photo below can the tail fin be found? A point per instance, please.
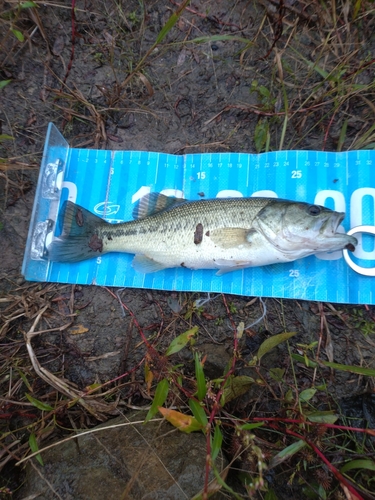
(79, 239)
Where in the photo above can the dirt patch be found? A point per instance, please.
(229, 76)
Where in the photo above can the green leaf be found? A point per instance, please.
(235, 387)
(322, 417)
(273, 341)
(201, 380)
(38, 404)
(198, 412)
(180, 342)
(286, 453)
(28, 5)
(358, 464)
(161, 394)
(3, 83)
(359, 370)
(277, 374)
(264, 91)
(307, 394)
(6, 137)
(34, 447)
(216, 442)
(18, 35)
(289, 396)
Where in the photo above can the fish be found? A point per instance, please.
(226, 234)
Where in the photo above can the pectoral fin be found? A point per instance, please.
(145, 265)
(229, 237)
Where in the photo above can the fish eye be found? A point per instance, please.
(313, 210)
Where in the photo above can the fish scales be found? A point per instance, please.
(223, 234)
(178, 224)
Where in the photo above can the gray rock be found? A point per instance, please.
(149, 462)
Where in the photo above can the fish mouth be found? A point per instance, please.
(332, 223)
(330, 229)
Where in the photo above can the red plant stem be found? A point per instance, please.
(331, 467)
(147, 343)
(328, 129)
(300, 421)
(116, 379)
(10, 415)
(363, 66)
(216, 404)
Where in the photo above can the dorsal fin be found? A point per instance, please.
(153, 203)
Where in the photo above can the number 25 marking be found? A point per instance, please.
(296, 174)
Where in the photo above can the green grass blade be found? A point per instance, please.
(171, 22)
(221, 38)
(38, 404)
(161, 394)
(359, 370)
(34, 447)
(217, 441)
(201, 380)
(249, 427)
(198, 412)
(286, 453)
(342, 135)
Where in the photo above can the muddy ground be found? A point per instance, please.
(217, 93)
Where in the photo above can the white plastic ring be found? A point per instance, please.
(366, 271)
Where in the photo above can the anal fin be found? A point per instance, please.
(145, 265)
(228, 266)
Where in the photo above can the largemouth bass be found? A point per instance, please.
(223, 234)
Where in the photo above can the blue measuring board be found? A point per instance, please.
(108, 183)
